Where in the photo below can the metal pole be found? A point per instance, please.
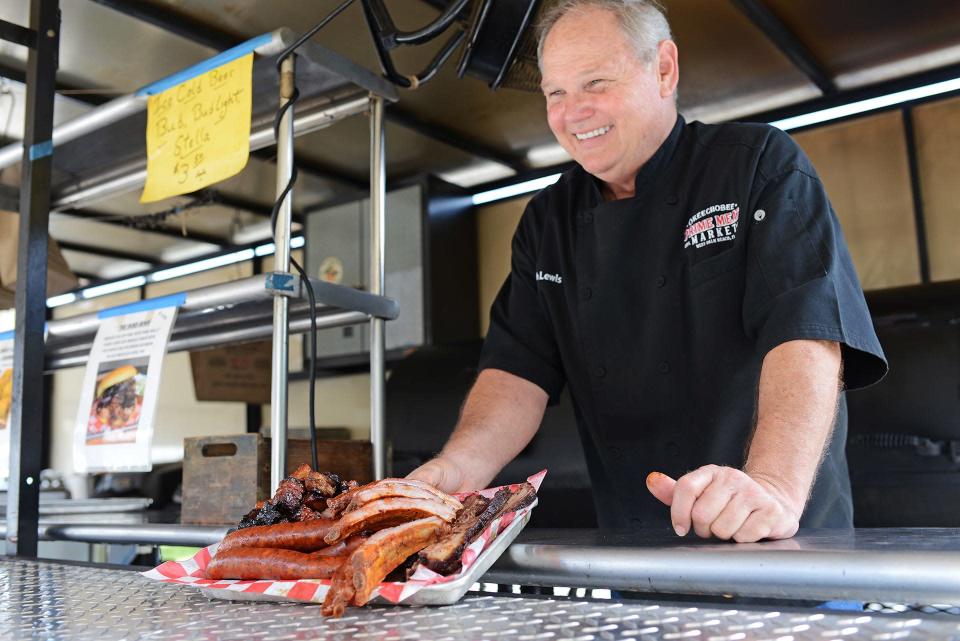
(26, 428)
(281, 330)
(377, 341)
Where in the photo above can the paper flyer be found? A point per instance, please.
(198, 132)
(6, 399)
(114, 426)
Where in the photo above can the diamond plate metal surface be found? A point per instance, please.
(52, 601)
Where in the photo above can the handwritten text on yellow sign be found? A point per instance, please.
(198, 132)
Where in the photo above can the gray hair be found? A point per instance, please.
(644, 23)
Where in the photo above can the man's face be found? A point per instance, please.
(605, 106)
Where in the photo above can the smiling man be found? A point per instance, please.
(692, 287)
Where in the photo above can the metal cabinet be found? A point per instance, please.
(430, 241)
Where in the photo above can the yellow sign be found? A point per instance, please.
(6, 396)
(198, 132)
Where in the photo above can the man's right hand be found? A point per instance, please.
(440, 473)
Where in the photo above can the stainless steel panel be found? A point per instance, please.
(56, 601)
(403, 265)
(919, 565)
(342, 232)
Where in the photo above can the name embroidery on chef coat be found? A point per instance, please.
(715, 224)
(550, 278)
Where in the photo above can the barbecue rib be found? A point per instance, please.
(343, 548)
(444, 556)
(357, 497)
(355, 580)
(378, 515)
(393, 488)
(519, 499)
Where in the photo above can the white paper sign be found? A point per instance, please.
(6, 401)
(114, 427)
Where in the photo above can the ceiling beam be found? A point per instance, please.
(167, 265)
(87, 276)
(788, 43)
(176, 23)
(130, 222)
(19, 75)
(400, 116)
(17, 34)
(234, 201)
(847, 96)
(106, 252)
(314, 168)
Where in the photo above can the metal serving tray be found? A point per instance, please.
(436, 594)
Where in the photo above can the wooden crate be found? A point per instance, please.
(224, 476)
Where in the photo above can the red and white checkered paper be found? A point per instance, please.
(192, 572)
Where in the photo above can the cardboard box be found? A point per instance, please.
(233, 373)
(59, 276)
(225, 476)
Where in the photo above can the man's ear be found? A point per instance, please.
(668, 68)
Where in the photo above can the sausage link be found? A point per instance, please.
(303, 536)
(264, 563)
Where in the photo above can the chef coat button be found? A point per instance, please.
(672, 199)
(601, 372)
(587, 293)
(663, 367)
(661, 281)
(673, 449)
(588, 218)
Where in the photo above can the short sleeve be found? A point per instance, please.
(521, 339)
(800, 281)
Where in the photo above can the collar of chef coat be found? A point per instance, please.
(651, 169)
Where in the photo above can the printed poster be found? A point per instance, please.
(6, 400)
(114, 426)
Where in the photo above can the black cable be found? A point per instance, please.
(320, 25)
(311, 397)
(311, 295)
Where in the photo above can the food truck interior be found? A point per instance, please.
(869, 89)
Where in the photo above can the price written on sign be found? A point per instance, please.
(198, 132)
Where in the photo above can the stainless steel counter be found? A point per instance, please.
(54, 601)
(894, 565)
(912, 566)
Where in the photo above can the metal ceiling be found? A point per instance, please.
(738, 58)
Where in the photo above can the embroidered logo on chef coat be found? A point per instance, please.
(550, 278)
(715, 224)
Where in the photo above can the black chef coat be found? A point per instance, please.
(658, 310)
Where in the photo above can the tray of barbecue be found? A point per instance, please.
(323, 540)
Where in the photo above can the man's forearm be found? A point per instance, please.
(799, 385)
(499, 417)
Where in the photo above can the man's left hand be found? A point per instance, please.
(726, 503)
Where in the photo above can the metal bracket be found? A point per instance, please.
(283, 284)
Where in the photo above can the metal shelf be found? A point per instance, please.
(235, 312)
(332, 88)
(103, 153)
